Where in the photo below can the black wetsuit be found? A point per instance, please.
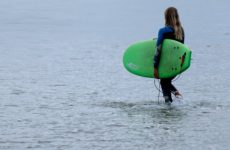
(166, 83)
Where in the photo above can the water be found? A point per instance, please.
(63, 85)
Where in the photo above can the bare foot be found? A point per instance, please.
(178, 95)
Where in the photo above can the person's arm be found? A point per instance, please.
(156, 59)
(160, 40)
(157, 56)
(159, 47)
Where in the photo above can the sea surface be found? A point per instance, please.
(63, 85)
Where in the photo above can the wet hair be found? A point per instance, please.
(172, 19)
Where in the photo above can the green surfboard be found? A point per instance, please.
(175, 58)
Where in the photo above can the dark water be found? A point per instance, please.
(63, 85)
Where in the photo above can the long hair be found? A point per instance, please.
(172, 19)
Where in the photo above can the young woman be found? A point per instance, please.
(172, 30)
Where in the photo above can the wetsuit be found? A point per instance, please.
(166, 83)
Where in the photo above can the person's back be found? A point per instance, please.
(170, 34)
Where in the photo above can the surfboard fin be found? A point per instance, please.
(182, 59)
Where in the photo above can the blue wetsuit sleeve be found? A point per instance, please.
(160, 40)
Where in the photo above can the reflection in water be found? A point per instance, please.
(150, 111)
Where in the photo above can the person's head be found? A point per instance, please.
(172, 19)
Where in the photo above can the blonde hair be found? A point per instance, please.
(172, 19)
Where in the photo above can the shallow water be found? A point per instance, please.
(63, 85)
